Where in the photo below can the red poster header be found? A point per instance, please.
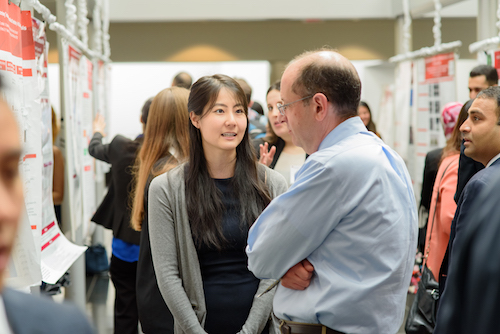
(10, 28)
(497, 61)
(440, 66)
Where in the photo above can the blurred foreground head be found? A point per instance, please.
(11, 188)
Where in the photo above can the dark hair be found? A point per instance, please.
(492, 92)
(145, 110)
(258, 108)
(371, 125)
(488, 71)
(455, 140)
(338, 82)
(203, 199)
(246, 88)
(271, 137)
(274, 86)
(183, 80)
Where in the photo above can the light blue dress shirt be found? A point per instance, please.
(352, 213)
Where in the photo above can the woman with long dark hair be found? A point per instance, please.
(166, 143)
(200, 213)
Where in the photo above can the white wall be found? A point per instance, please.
(133, 83)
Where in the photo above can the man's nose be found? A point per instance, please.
(281, 118)
(465, 126)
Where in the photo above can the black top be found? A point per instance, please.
(114, 211)
(467, 167)
(154, 315)
(431, 167)
(228, 284)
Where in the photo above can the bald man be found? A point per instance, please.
(343, 237)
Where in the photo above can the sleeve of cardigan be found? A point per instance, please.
(165, 262)
(262, 306)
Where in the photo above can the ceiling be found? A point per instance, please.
(255, 10)
(252, 10)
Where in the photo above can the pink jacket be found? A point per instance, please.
(444, 212)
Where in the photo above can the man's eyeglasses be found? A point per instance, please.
(282, 107)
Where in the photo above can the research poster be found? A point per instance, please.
(490, 57)
(71, 144)
(436, 87)
(58, 253)
(18, 68)
(88, 167)
(102, 90)
(31, 113)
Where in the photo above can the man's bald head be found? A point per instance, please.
(183, 80)
(328, 72)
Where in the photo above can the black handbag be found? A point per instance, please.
(422, 315)
(96, 260)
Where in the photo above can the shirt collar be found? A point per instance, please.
(345, 129)
(495, 158)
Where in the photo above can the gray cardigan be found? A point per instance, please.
(175, 258)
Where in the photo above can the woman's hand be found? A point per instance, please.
(266, 155)
(100, 124)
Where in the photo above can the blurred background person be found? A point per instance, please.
(257, 121)
(276, 150)
(183, 80)
(443, 205)
(449, 116)
(166, 143)
(365, 113)
(114, 213)
(58, 171)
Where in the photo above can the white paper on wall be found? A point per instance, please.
(402, 108)
(436, 87)
(18, 67)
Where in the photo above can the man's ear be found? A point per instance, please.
(320, 102)
(195, 119)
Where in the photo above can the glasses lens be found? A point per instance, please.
(280, 108)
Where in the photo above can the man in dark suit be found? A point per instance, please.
(481, 133)
(21, 313)
(114, 213)
(480, 78)
(473, 298)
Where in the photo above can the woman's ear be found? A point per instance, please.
(195, 119)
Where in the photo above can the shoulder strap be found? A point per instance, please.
(434, 216)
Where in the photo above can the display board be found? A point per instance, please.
(41, 251)
(436, 87)
(18, 68)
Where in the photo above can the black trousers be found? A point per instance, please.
(123, 276)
